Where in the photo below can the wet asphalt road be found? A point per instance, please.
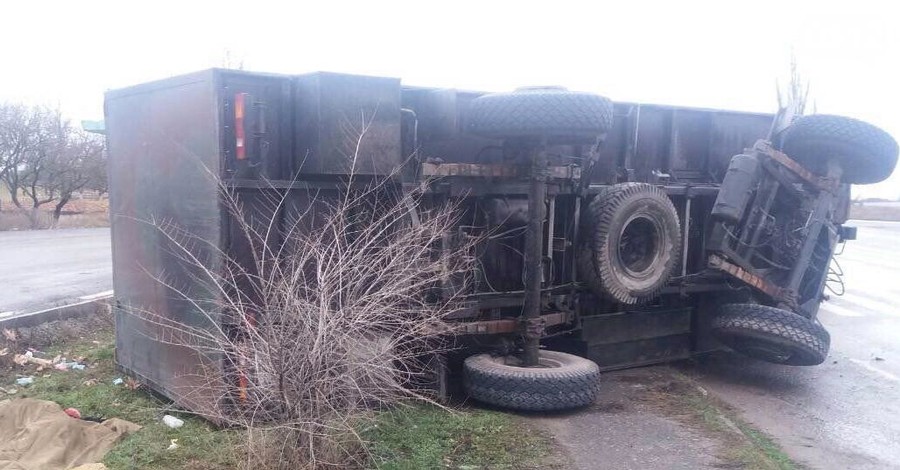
(845, 413)
(44, 268)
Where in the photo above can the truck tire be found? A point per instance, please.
(634, 239)
(562, 381)
(771, 334)
(866, 153)
(540, 111)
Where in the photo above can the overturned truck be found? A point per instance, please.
(621, 234)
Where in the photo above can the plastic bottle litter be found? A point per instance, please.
(172, 421)
(78, 367)
(118, 381)
(23, 381)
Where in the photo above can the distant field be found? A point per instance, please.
(889, 211)
(79, 213)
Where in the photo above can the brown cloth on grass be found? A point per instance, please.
(39, 435)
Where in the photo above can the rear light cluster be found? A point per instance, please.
(240, 139)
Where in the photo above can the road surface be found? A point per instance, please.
(45, 268)
(845, 413)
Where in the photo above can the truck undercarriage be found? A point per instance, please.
(610, 234)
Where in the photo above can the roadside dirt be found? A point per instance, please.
(656, 418)
(18, 340)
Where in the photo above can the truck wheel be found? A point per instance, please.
(540, 111)
(771, 334)
(866, 153)
(562, 381)
(634, 239)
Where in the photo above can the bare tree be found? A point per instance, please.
(21, 131)
(44, 159)
(80, 164)
(39, 137)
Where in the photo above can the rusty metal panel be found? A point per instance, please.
(730, 134)
(689, 149)
(332, 111)
(618, 145)
(652, 143)
(441, 116)
(691, 144)
(164, 152)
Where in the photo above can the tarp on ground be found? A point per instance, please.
(39, 435)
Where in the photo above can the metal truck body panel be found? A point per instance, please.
(173, 142)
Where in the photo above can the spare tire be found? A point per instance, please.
(540, 111)
(561, 381)
(634, 238)
(772, 335)
(865, 153)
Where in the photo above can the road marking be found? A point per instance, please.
(871, 368)
(106, 293)
(841, 311)
(868, 303)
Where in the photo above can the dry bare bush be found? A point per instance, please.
(334, 309)
(795, 94)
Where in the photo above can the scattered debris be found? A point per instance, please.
(173, 444)
(172, 421)
(58, 362)
(23, 381)
(9, 334)
(89, 382)
(132, 384)
(118, 381)
(73, 412)
(29, 358)
(4, 352)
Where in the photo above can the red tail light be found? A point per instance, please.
(239, 134)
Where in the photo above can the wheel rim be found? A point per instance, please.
(638, 246)
(515, 361)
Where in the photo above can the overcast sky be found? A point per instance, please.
(715, 54)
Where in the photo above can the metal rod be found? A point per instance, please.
(551, 216)
(534, 253)
(685, 237)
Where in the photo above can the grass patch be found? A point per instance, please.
(92, 392)
(423, 437)
(413, 437)
(745, 447)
